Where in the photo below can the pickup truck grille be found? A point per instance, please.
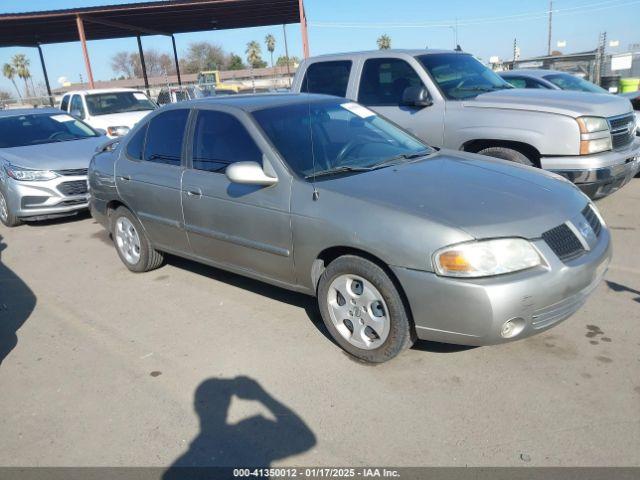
(563, 242)
(77, 187)
(622, 130)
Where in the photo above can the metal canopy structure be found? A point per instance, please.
(32, 29)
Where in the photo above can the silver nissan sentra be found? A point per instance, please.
(312, 193)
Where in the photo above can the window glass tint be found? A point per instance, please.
(569, 82)
(76, 106)
(517, 82)
(329, 78)
(327, 135)
(135, 146)
(384, 80)
(164, 137)
(37, 129)
(118, 102)
(64, 105)
(219, 140)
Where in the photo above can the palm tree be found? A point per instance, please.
(270, 42)
(253, 52)
(21, 64)
(9, 71)
(384, 42)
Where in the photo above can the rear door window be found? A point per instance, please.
(329, 78)
(220, 139)
(165, 134)
(384, 81)
(77, 108)
(64, 105)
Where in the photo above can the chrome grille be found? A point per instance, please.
(591, 217)
(622, 130)
(74, 172)
(76, 187)
(563, 242)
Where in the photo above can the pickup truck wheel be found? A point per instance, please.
(7, 218)
(507, 154)
(363, 310)
(132, 244)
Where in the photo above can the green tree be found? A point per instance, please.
(9, 71)
(235, 62)
(270, 42)
(254, 55)
(384, 42)
(282, 61)
(21, 63)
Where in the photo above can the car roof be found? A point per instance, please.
(16, 112)
(260, 101)
(531, 72)
(101, 90)
(383, 53)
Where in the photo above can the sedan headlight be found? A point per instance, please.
(485, 258)
(27, 175)
(117, 131)
(595, 136)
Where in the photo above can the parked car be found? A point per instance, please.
(44, 155)
(321, 195)
(549, 80)
(179, 94)
(450, 99)
(113, 110)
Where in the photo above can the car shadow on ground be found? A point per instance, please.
(77, 217)
(301, 300)
(17, 301)
(255, 441)
(616, 287)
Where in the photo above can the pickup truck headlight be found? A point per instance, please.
(117, 131)
(595, 135)
(27, 175)
(486, 258)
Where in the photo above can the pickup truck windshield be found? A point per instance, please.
(118, 102)
(37, 129)
(568, 82)
(461, 76)
(341, 136)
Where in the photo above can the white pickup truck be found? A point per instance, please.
(114, 111)
(451, 100)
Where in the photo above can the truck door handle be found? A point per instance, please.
(125, 178)
(194, 192)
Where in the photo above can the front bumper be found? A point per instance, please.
(600, 174)
(37, 200)
(473, 311)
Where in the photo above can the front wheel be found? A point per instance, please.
(363, 310)
(6, 216)
(507, 154)
(132, 244)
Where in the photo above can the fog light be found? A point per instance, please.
(512, 327)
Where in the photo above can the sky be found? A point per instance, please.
(485, 28)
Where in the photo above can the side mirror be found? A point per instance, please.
(249, 173)
(416, 97)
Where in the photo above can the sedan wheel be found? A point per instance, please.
(358, 311)
(6, 217)
(127, 240)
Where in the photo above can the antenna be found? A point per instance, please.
(316, 194)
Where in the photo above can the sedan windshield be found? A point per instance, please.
(36, 129)
(461, 76)
(331, 137)
(564, 81)
(118, 102)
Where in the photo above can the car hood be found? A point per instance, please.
(54, 156)
(481, 196)
(563, 102)
(124, 119)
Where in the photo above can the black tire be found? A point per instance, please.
(150, 258)
(507, 154)
(401, 333)
(10, 220)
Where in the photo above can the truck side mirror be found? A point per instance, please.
(416, 97)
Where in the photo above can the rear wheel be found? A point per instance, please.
(507, 154)
(363, 310)
(6, 216)
(132, 244)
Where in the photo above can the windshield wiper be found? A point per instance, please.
(331, 171)
(396, 159)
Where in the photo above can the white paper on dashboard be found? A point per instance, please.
(140, 96)
(62, 118)
(358, 110)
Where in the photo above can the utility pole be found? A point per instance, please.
(600, 58)
(515, 53)
(550, 27)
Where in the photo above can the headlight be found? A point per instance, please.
(117, 131)
(595, 145)
(592, 124)
(486, 258)
(26, 175)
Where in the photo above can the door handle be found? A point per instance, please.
(125, 178)
(194, 192)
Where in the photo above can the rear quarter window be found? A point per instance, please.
(328, 78)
